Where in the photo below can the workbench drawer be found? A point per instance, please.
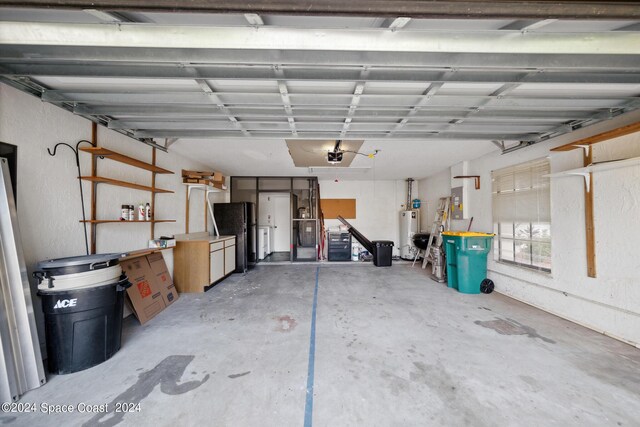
(216, 246)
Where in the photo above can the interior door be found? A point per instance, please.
(281, 222)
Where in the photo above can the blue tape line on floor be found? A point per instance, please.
(308, 407)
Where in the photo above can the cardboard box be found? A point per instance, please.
(196, 174)
(218, 178)
(219, 186)
(163, 278)
(145, 295)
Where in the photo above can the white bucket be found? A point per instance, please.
(355, 252)
(86, 279)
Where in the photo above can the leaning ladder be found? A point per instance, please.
(440, 223)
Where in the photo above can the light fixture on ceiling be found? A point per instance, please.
(335, 156)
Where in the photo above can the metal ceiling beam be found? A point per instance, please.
(254, 19)
(108, 16)
(426, 97)
(202, 57)
(191, 96)
(230, 99)
(286, 102)
(29, 87)
(178, 112)
(630, 27)
(297, 73)
(213, 97)
(460, 136)
(398, 23)
(528, 25)
(310, 40)
(567, 9)
(141, 122)
(353, 105)
(335, 126)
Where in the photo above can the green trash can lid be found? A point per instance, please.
(466, 234)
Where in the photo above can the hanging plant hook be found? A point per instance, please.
(76, 152)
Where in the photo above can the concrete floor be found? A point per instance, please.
(392, 348)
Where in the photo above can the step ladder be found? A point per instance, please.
(440, 223)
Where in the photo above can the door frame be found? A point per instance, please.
(281, 193)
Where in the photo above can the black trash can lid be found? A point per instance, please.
(78, 260)
(78, 263)
(383, 242)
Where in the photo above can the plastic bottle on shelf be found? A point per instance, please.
(147, 212)
(132, 213)
(140, 212)
(124, 213)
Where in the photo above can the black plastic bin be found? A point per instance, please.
(382, 253)
(83, 326)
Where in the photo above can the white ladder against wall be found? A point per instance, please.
(440, 223)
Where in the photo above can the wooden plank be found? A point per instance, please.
(345, 208)
(589, 220)
(153, 195)
(103, 221)
(206, 211)
(112, 155)
(105, 180)
(142, 252)
(94, 188)
(604, 136)
(196, 174)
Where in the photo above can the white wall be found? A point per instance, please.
(378, 206)
(431, 189)
(48, 193)
(609, 303)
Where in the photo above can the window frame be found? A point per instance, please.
(509, 235)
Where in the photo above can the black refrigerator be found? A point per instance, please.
(239, 219)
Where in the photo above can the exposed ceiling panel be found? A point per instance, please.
(312, 152)
(383, 79)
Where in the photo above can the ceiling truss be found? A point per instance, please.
(516, 85)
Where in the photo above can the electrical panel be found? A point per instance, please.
(457, 207)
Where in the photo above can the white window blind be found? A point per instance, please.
(521, 193)
(522, 214)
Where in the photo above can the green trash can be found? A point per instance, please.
(466, 259)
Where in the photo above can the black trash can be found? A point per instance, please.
(382, 253)
(83, 326)
(82, 300)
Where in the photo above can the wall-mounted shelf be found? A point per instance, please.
(142, 252)
(112, 155)
(102, 221)
(104, 180)
(104, 153)
(596, 167)
(208, 189)
(204, 187)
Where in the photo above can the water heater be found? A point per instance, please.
(409, 225)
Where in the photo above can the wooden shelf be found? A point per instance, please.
(103, 221)
(108, 154)
(204, 186)
(104, 180)
(142, 252)
(596, 167)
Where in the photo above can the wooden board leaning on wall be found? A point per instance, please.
(345, 208)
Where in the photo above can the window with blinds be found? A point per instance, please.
(522, 214)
